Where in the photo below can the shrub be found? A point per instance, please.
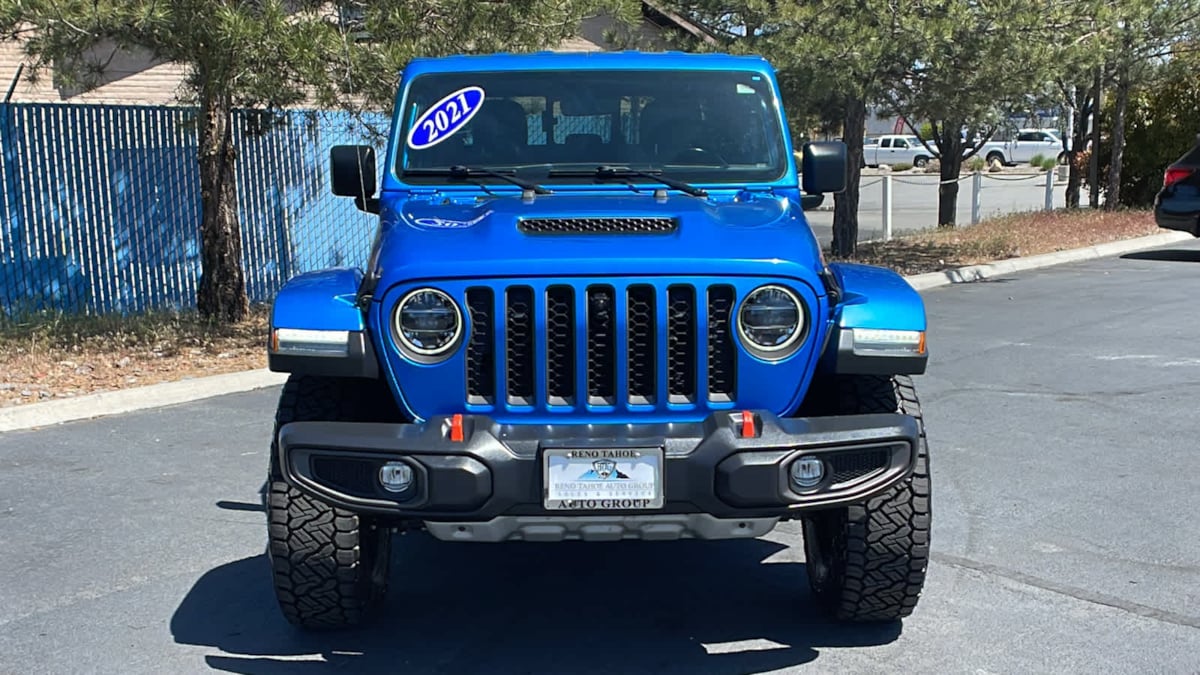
(902, 166)
(1049, 163)
(976, 163)
(1037, 160)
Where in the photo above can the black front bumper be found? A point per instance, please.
(496, 470)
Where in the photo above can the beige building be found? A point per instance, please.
(133, 77)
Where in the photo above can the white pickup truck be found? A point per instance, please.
(892, 149)
(1024, 146)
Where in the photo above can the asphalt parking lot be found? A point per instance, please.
(1062, 417)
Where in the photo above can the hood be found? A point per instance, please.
(745, 234)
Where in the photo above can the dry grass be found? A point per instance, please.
(1005, 237)
(55, 356)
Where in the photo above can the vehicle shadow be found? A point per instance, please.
(630, 607)
(1166, 255)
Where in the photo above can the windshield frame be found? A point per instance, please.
(778, 168)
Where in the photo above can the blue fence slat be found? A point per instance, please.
(100, 204)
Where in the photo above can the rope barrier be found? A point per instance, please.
(877, 181)
(1035, 176)
(921, 182)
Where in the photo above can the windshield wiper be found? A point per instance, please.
(465, 172)
(622, 172)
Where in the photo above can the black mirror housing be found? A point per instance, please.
(352, 170)
(824, 167)
(810, 202)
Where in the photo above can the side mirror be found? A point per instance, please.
(810, 202)
(824, 167)
(352, 169)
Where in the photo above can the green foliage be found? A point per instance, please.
(1047, 163)
(1161, 125)
(1037, 160)
(976, 163)
(275, 53)
(901, 166)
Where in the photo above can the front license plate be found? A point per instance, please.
(603, 479)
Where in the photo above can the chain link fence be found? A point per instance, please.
(100, 205)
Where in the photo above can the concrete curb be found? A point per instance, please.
(962, 275)
(139, 398)
(171, 393)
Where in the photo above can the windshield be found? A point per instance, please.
(694, 126)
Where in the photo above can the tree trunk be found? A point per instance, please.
(845, 204)
(1112, 193)
(1078, 141)
(1094, 157)
(222, 294)
(950, 145)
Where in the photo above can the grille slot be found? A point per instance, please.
(601, 345)
(640, 342)
(721, 354)
(681, 344)
(598, 225)
(481, 363)
(853, 465)
(519, 345)
(567, 345)
(560, 345)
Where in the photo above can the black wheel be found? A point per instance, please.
(921, 162)
(867, 562)
(329, 565)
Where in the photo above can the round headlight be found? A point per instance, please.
(428, 322)
(771, 321)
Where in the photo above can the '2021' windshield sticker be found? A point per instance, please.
(445, 117)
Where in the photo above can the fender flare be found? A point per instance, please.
(872, 298)
(325, 300)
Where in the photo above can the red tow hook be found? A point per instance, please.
(749, 425)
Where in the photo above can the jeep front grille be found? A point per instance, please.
(601, 344)
(597, 225)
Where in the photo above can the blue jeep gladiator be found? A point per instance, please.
(594, 310)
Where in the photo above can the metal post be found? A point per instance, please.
(887, 207)
(976, 189)
(1050, 190)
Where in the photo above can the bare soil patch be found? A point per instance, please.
(1010, 236)
(44, 357)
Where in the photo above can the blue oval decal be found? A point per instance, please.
(445, 117)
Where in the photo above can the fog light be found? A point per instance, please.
(807, 472)
(396, 476)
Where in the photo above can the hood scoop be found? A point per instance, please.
(598, 225)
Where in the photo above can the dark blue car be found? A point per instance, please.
(1177, 206)
(594, 310)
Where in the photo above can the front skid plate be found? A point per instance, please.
(658, 527)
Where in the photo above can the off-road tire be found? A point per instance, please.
(329, 565)
(867, 562)
(921, 162)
